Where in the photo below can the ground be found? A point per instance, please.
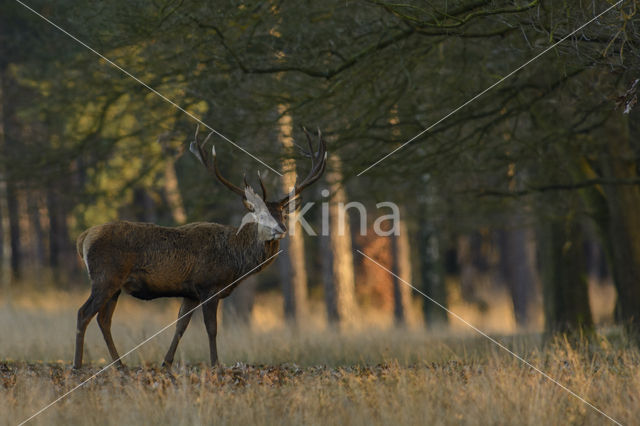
(276, 375)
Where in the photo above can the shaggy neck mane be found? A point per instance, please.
(251, 250)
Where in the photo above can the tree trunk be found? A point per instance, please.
(172, 192)
(339, 280)
(11, 190)
(565, 291)
(517, 270)
(293, 277)
(471, 265)
(432, 273)
(292, 267)
(330, 297)
(1, 235)
(14, 230)
(401, 266)
(622, 229)
(143, 208)
(62, 253)
(38, 233)
(54, 229)
(2, 167)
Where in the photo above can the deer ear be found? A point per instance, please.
(248, 218)
(249, 205)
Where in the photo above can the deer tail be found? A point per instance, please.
(80, 243)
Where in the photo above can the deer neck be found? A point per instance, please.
(248, 241)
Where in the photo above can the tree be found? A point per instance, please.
(430, 263)
(293, 271)
(566, 297)
(401, 267)
(517, 269)
(343, 67)
(337, 253)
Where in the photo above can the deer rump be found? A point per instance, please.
(150, 261)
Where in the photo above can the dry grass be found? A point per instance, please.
(273, 375)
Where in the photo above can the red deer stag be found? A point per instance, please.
(195, 261)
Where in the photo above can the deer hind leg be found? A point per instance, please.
(209, 312)
(94, 303)
(184, 316)
(104, 321)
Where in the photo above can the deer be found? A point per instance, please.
(199, 262)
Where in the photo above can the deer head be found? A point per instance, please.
(269, 215)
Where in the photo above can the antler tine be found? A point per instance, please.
(212, 168)
(222, 179)
(196, 148)
(204, 142)
(316, 156)
(318, 164)
(306, 133)
(195, 138)
(303, 152)
(264, 190)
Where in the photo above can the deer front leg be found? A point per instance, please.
(184, 316)
(209, 312)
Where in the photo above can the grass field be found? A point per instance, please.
(373, 374)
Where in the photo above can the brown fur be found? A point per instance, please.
(193, 261)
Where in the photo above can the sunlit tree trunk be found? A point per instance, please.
(337, 254)
(400, 252)
(172, 192)
(565, 292)
(291, 264)
(401, 266)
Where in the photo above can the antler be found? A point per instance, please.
(264, 190)
(198, 150)
(318, 164)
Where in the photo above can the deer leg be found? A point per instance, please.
(104, 321)
(209, 312)
(184, 316)
(86, 312)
